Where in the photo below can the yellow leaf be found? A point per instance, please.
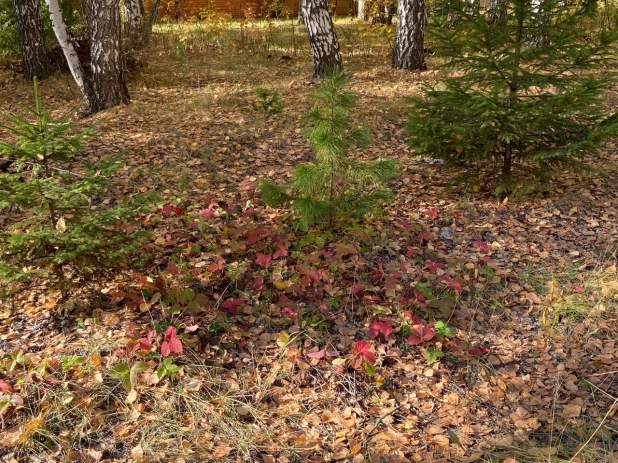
(283, 339)
(132, 396)
(281, 284)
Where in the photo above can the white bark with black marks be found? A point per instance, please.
(75, 66)
(110, 88)
(322, 37)
(542, 20)
(31, 34)
(133, 15)
(408, 50)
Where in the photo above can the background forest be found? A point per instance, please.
(279, 232)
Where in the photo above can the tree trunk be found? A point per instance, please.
(408, 51)
(152, 17)
(541, 20)
(497, 10)
(110, 88)
(322, 37)
(87, 14)
(75, 66)
(32, 39)
(360, 14)
(133, 15)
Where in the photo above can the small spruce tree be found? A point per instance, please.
(58, 225)
(334, 186)
(514, 113)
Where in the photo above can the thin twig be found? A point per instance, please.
(49, 167)
(375, 426)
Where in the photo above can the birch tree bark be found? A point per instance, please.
(360, 14)
(133, 15)
(68, 50)
(497, 10)
(408, 51)
(110, 88)
(322, 37)
(31, 34)
(541, 19)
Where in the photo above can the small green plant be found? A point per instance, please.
(167, 368)
(62, 228)
(335, 186)
(267, 102)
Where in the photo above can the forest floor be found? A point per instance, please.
(273, 321)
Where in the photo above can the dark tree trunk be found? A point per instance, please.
(152, 17)
(110, 88)
(32, 39)
(322, 37)
(408, 51)
(87, 14)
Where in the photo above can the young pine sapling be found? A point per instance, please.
(335, 185)
(59, 226)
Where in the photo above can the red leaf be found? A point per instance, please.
(579, 289)
(362, 351)
(175, 346)
(4, 387)
(144, 343)
(170, 333)
(288, 312)
(317, 355)
(357, 289)
(421, 333)
(385, 327)
(483, 247)
(433, 266)
(432, 213)
(232, 305)
(282, 251)
(456, 285)
(263, 260)
(165, 348)
(168, 210)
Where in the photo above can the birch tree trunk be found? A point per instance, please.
(75, 66)
(360, 14)
(408, 51)
(541, 20)
(32, 39)
(110, 88)
(133, 15)
(322, 37)
(497, 10)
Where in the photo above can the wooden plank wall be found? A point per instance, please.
(186, 9)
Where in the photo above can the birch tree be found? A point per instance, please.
(133, 16)
(322, 37)
(110, 88)
(34, 57)
(408, 50)
(68, 50)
